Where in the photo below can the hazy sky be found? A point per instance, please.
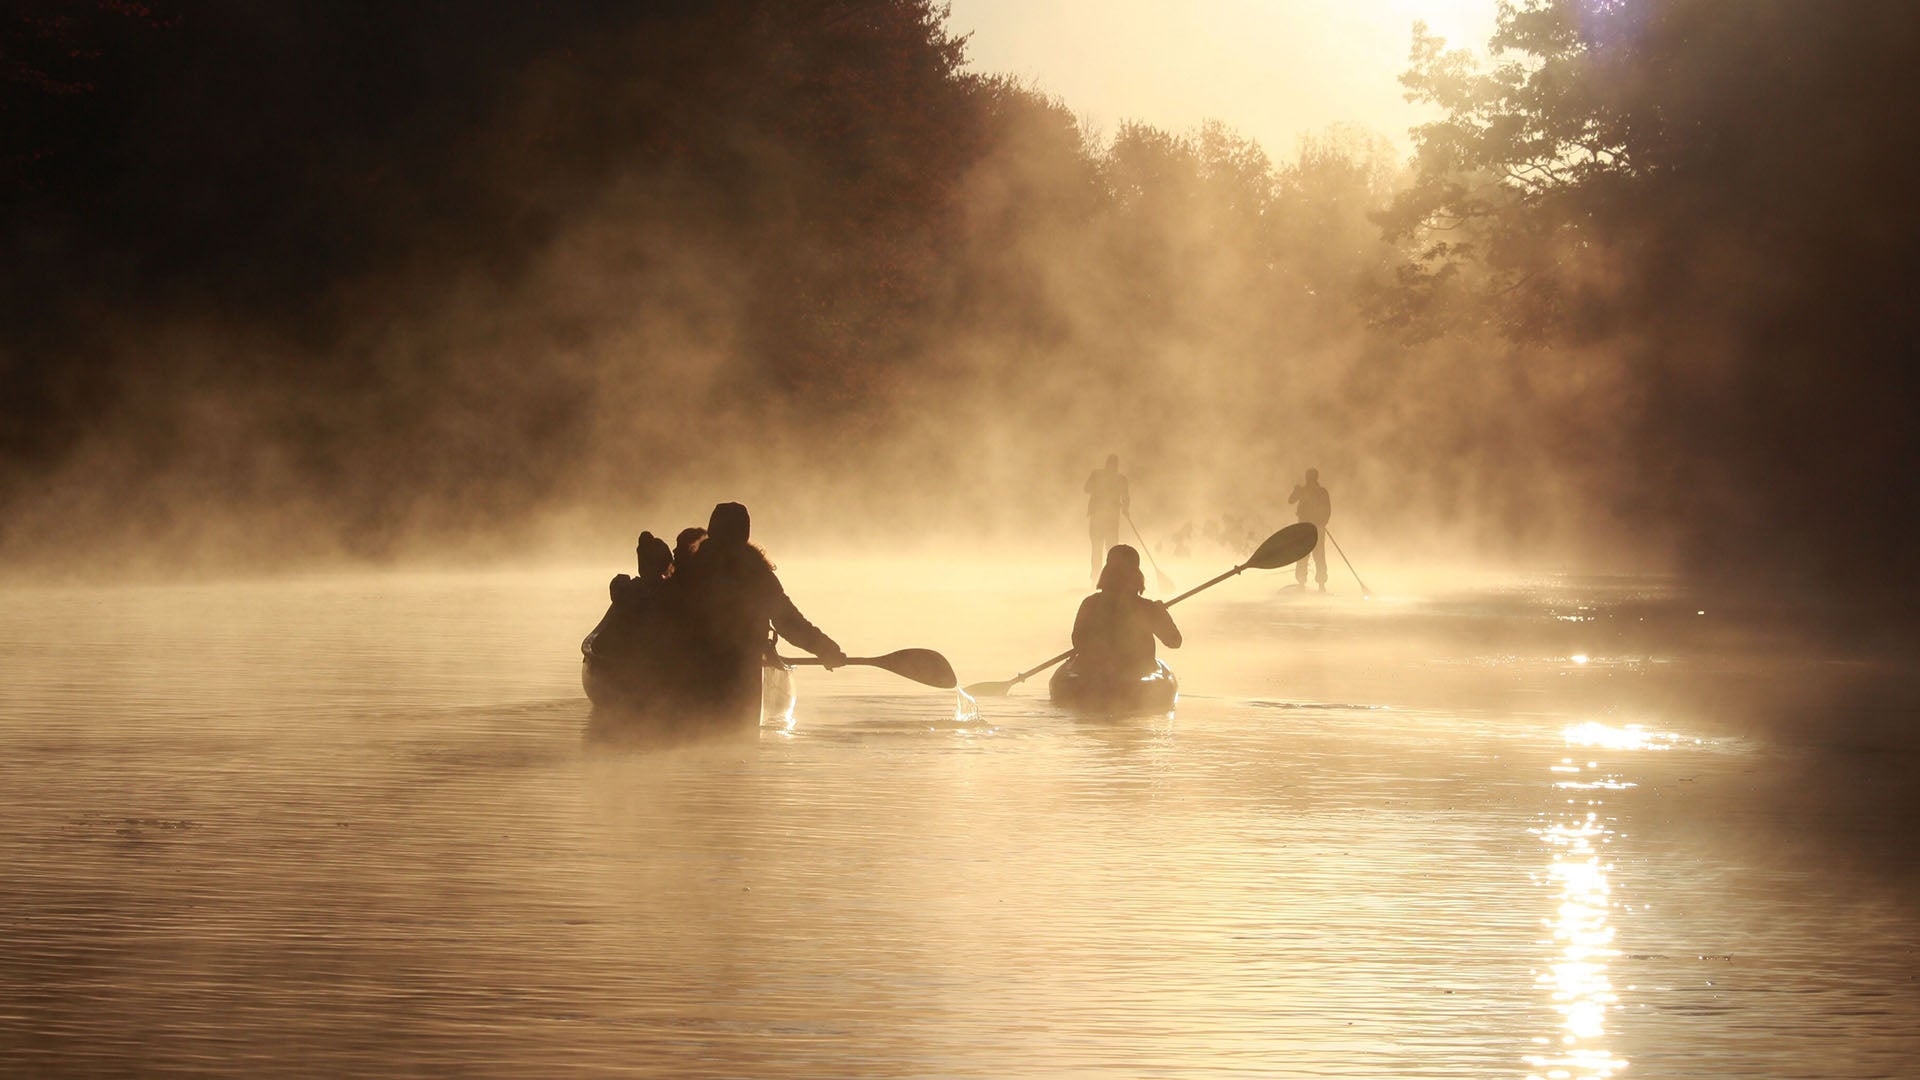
(1271, 69)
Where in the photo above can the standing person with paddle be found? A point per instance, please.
(731, 604)
(1107, 502)
(1314, 505)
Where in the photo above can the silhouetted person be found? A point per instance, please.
(1114, 630)
(730, 603)
(1314, 505)
(633, 621)
(1106, 502)
(684, 544)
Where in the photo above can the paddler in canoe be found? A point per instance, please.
(708, 629)
(684, 544)
(628, 628)
(1114, 663)
(730, 604)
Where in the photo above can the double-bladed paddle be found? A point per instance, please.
(921, 665)
(1284, 548)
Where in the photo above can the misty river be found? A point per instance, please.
(350, 825)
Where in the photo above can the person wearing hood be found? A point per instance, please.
(731, 604)
(1114, 631)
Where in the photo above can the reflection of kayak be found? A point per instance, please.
(624, 702)
(1155, 691)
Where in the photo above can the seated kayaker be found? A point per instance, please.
(1114, 632)
(633, 615)
(730, 602)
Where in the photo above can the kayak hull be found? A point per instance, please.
(1072, 688)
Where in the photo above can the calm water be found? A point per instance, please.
(350, 826)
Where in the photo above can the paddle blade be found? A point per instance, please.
(990, 689)
(1286, 547)
(921, 665)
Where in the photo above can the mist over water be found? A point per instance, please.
(345, 350)
(1505, 828)
(303, 288)
(522, 280)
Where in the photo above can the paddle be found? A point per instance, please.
(920, 665)
(1365, 593)
(1284, 548)
(1165, 582)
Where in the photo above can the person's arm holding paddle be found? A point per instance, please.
(1163, 625)
(793, 626)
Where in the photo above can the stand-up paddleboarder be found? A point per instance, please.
(1106, 504)
(1314, 505)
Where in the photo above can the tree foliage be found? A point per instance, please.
(1529, 169)
(1716, 193)
(433, 271)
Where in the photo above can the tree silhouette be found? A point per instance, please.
(1709, 190)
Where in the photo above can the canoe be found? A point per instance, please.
(1073, 688)
(623, 703)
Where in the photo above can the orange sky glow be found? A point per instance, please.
(1273, 70)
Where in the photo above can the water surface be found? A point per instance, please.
(350, 825)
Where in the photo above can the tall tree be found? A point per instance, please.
(1716, 192)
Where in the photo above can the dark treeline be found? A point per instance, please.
(336, 254)
(1717, 197)
(334, 278)
(360, 274)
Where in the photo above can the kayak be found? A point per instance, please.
(1155, 691)
(624, 704)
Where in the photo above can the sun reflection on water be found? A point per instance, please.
(1624, 737)
(1576, 979)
